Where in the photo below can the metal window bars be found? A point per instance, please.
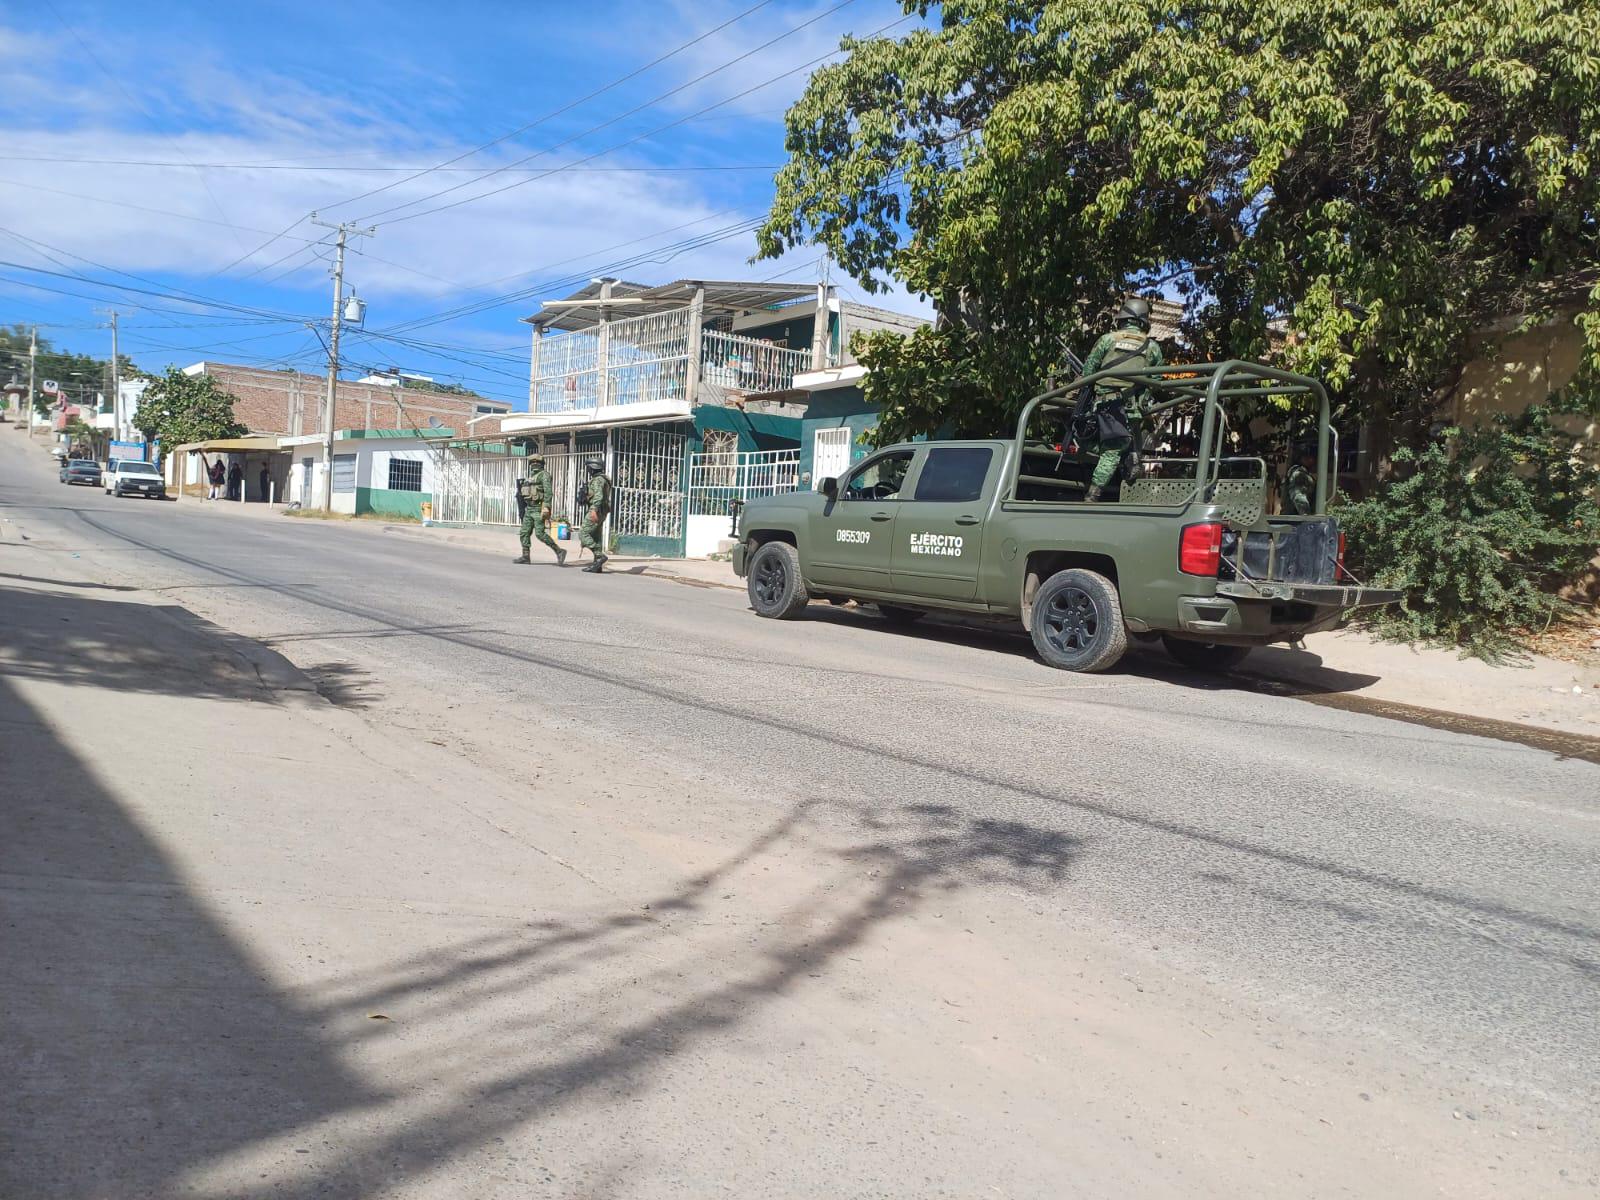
(716, 479)
(745, 364)
(648, 499)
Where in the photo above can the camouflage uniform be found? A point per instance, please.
(1299, 491)
(597, 504)
(1124, 347)
(535, 492)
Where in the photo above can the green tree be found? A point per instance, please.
(1383, 177)
(177, 409)
(1481, 533)
(71, 370)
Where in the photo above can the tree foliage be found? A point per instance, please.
(69, 369)
(178, 409)
(1479, 535)
(1381, 176)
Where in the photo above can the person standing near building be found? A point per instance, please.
(597, 502)
(215, 473)
(266, 480)
(235, 481)
(534, 493)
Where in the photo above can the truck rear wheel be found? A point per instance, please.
(1077, 622)
(775, 587)
(1213, 657)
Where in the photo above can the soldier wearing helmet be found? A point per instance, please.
(1108, 427)
(596, 504)
(534, 494)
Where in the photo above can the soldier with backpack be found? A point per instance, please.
(1105, 424)
(595, 504)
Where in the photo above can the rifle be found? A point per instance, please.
(522, 501)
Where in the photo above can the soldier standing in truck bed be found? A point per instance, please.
(1114, 415)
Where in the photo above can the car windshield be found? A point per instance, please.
(83, 465)
(137, 469)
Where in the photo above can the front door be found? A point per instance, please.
(851, 537)
(938, 535)
(830, 456)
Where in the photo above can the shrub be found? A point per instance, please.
(1480, 534)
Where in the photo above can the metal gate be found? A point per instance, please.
(648, 481)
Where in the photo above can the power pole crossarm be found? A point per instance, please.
(344, 229)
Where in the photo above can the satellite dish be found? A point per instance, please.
(435, 423)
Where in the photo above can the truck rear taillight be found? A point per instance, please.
(1200, 549)
(1340, 563)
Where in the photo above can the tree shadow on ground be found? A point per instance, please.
(513, 1030)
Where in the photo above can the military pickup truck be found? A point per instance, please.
(1183, 550)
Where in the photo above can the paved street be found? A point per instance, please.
(390, 868)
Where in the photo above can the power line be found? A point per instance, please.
(623, 116)
(268, 166)
(564, 108)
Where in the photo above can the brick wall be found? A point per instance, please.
(271, 402)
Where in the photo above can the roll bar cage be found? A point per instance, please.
(1211, 383)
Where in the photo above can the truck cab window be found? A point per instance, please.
(879, 479)
(954, 474)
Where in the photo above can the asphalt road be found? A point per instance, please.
(1397, 903)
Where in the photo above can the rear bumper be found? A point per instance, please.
(1255, 613)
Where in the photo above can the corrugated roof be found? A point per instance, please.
(634, 299)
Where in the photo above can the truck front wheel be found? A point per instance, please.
(1212, 657)
(775, 587)
(1077, 622)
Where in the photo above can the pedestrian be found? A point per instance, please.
(1106, 426)
(215, 474)
(235, 481)
(266, 480)
(597, 503)
(534, 493)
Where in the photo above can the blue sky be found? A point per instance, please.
(186, 144)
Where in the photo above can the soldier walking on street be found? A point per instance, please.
(534, 494)
(1113, 414)
(597, 503)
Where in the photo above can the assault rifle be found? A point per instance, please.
(522, 501)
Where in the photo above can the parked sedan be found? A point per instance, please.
(81, 470)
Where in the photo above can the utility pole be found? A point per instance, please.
(33, 355)
(116, 379)
(344, 229)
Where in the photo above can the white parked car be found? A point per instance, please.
(125, 477)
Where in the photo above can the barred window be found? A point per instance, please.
(405, 474)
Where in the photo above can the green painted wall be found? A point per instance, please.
(391, 503)
(835, 408)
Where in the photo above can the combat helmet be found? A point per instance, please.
(595, 465)
(1135, 311)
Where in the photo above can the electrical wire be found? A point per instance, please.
(623, 116)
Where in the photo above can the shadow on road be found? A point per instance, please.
(139, 1040)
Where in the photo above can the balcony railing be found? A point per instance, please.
(716, 479)
(647, 359)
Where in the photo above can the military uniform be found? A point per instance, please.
(535, 493)
(1299, 491)
(1126, 346)
(597, 503)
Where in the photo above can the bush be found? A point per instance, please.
(1480, 535)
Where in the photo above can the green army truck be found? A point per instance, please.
(1185, 550)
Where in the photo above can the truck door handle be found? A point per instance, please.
(881, 517)
(966, 520)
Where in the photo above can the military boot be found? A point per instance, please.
(1092, 496)
(598, 566)
(522, 558)
(561, 557)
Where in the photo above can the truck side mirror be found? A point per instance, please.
(830, 487)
